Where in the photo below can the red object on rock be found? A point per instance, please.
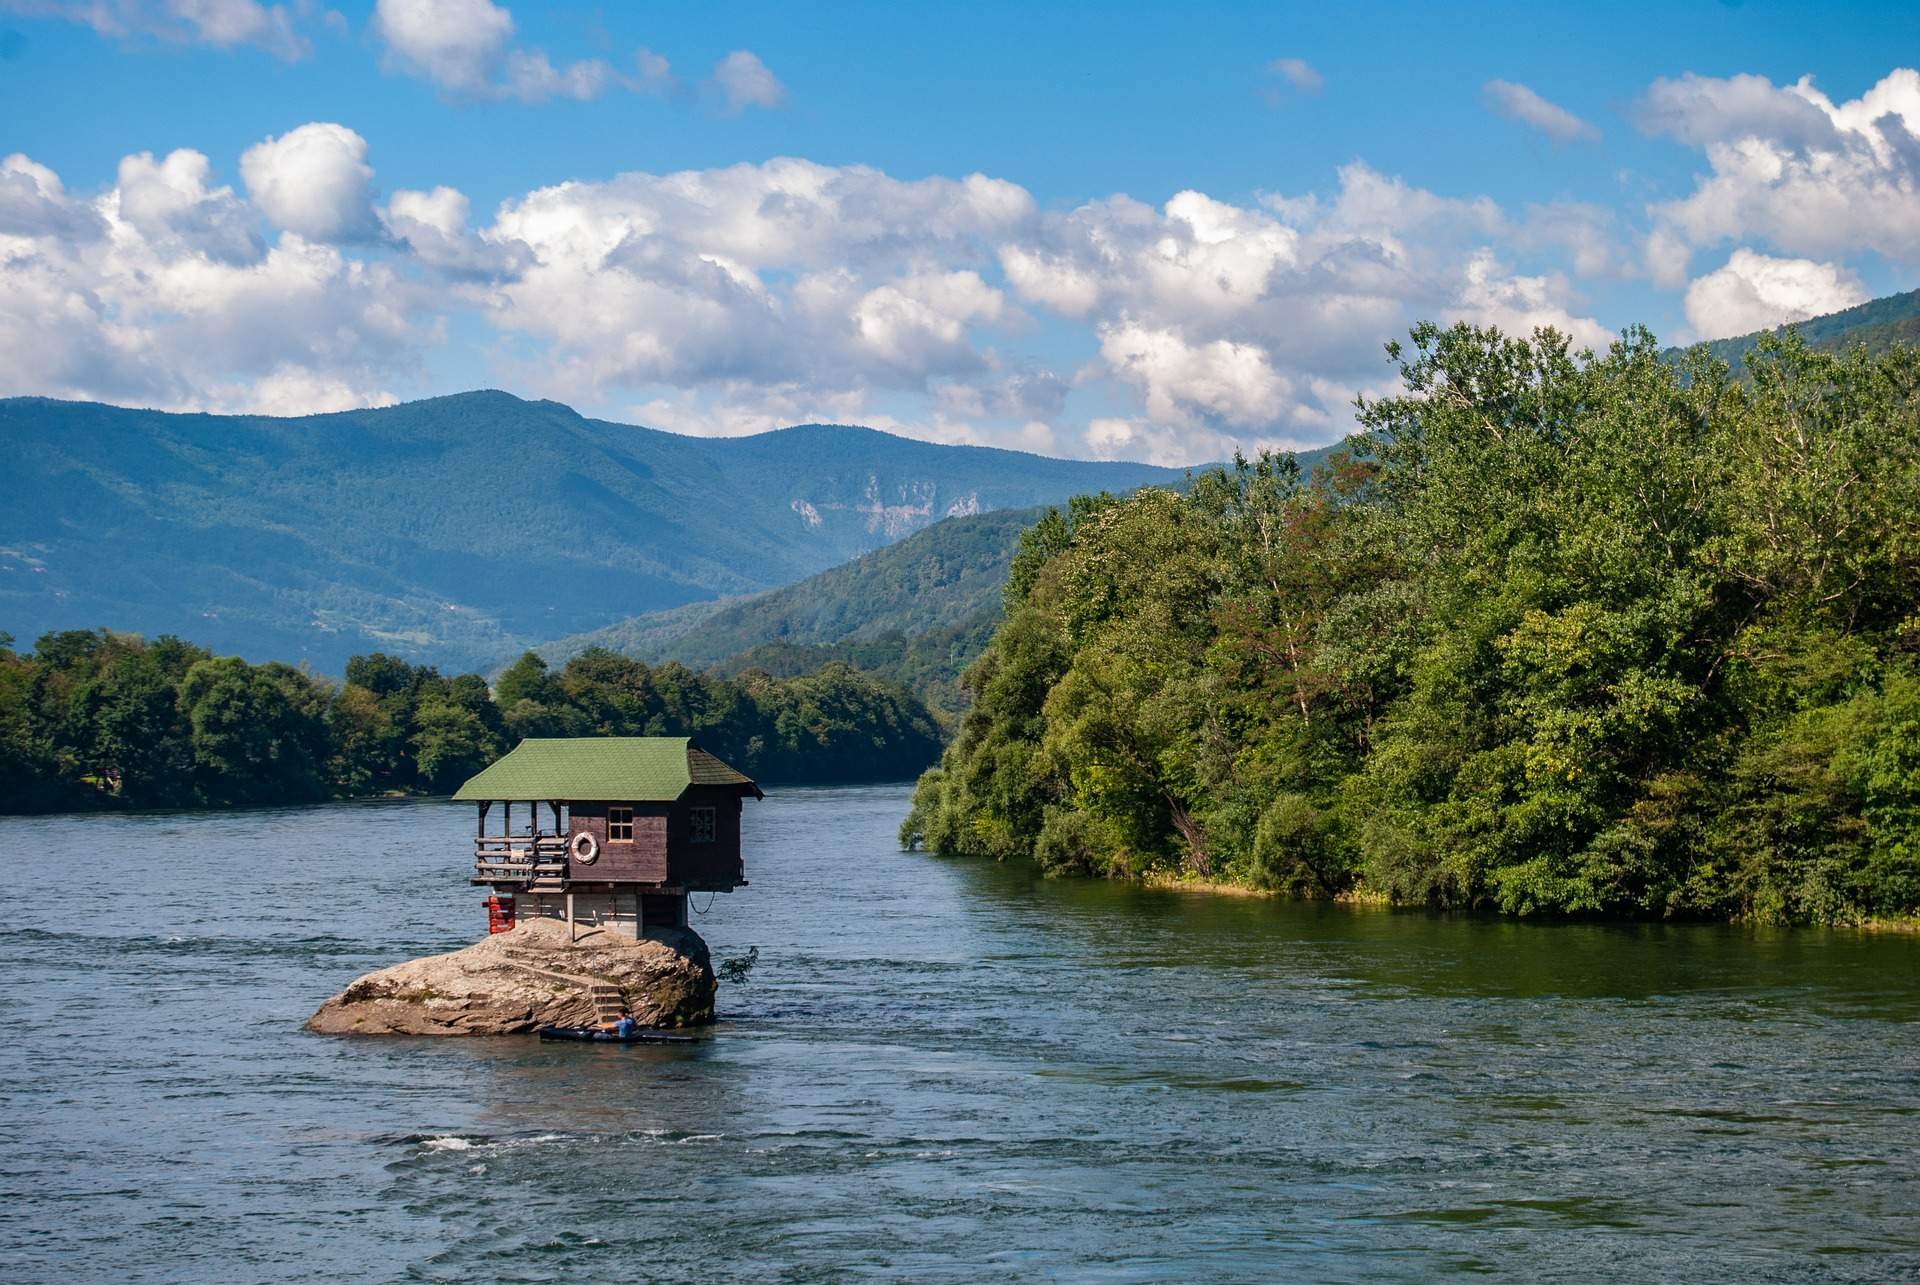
(499, 914)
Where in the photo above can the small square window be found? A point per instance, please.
(619, 825)
(702, 825)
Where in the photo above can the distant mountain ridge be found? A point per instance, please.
(933, 578)
(454, 530)
(915, 612)
(1877, 325)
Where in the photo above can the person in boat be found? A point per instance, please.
(626, 1028)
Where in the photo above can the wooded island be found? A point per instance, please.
(1604, 635)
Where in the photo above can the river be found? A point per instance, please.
(937, 1070)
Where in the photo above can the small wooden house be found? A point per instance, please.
(616, 831)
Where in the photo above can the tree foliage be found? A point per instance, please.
(95, 719)
(1558, 633)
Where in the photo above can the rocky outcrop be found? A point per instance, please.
(530, 977)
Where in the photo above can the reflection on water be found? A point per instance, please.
(935, 1070)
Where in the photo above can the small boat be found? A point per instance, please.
(598, 1036)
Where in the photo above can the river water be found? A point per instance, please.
(937, 1070)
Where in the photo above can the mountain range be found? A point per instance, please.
(456, 530)
(460, 530)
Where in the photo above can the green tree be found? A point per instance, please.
(450, 744)
(1560, 633)
(258, 735)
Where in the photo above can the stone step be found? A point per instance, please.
(579, 983)
(607, 999)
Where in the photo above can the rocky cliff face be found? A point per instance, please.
(533, 976)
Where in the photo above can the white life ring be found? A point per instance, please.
(585, 848)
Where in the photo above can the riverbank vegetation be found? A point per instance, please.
(99, 719)
(1560, 633)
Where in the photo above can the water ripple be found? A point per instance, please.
(936, 1071)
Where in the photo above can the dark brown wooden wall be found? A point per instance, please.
(643, 859)
(705, 865)
(660, 851)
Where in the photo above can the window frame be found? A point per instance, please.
(712, 817)
(614, 826)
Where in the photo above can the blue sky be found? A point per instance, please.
(1143, 230)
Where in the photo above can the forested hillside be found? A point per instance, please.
(1561, 636)
(96, 719)
(454, 531)
(1877, 325)
(915, 612)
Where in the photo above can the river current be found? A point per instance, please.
(937, 1070)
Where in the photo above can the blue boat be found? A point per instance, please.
(595, 1035)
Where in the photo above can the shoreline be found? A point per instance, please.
(1161, 881)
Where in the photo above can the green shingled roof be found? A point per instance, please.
(617, 769)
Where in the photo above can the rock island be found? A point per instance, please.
(587, 917)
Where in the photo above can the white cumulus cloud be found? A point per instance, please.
(313, 180)
(466, 49)
(740, 298)
(1231, 381)
(459, 45)
(434, 227)
(1247, 324)
(1790, 167)
(743, 81)
(532, 77)
(653, 73)
(778, 274)
(919, 323)
(158, 292)
(174, 206)
(1756, 292)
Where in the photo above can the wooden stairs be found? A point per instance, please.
(608, 1003)
(606, 998)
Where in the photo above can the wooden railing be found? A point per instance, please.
(519, 858)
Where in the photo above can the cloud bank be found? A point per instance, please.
(736, 298)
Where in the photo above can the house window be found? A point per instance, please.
(701, 825)
(619, 825)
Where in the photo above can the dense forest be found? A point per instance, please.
(1558, 634)
(100, 719)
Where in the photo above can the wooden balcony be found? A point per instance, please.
(538, 861)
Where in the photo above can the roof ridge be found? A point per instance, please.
(655, 769)
(600, 739)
